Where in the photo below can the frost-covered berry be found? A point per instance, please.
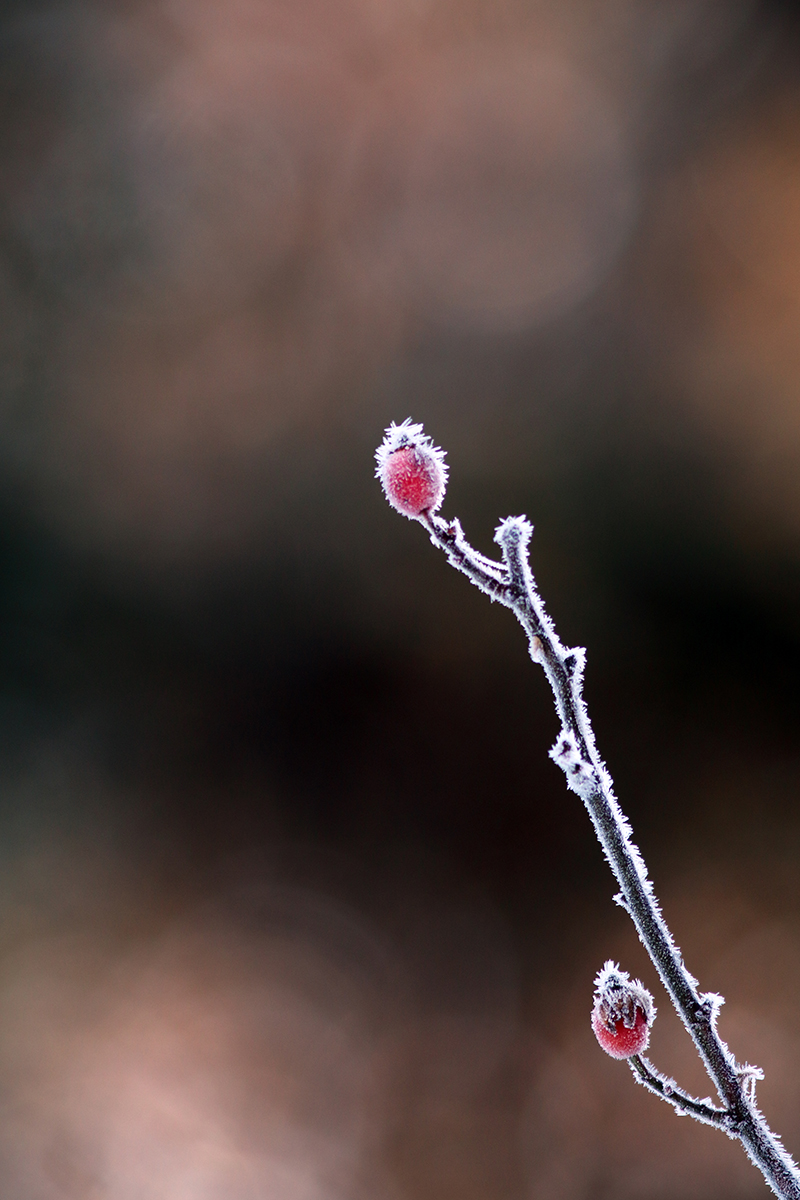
(412, 470)
(623, 1012)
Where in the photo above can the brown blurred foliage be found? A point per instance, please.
(293, 903)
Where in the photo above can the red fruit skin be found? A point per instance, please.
(413, 481)
(622, 1042)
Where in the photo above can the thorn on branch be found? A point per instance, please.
(749, 1076)
(567, 754)
(712, 1002)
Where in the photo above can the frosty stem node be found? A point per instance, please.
(511, 583)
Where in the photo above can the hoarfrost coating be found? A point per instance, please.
(412, 471)
(623, 1012)
(511, 583)
(619, 995)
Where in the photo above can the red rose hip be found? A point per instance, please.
(411, 469)
(618, 1040)
(623, 1013)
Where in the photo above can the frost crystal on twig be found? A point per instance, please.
(414, 475)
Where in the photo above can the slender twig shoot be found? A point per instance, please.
(414, 475)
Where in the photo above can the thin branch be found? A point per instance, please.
(511, 584)
(685, 1105)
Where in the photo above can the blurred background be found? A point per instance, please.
(292, 902)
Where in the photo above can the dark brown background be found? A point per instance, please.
(293, 903)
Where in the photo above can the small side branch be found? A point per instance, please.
(685, 1105)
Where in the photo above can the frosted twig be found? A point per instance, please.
(685, 1105)
(511, 583)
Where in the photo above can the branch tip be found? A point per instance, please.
(514, 531)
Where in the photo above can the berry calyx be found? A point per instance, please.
(411, 469)
(623, 1012)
